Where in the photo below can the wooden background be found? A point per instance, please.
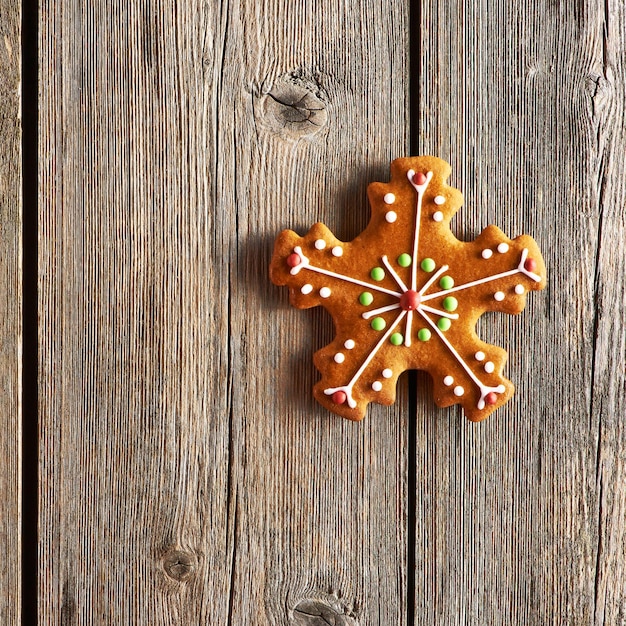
(186, 476)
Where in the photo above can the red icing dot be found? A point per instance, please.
(491, 398)
(530, 265)
(410, 300)
(419, 178)
(293, 260)
(339, 397)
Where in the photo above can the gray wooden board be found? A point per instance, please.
(186, 474)
(522, 519)
(10, 311)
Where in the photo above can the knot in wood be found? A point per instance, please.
(318, 613)
(292, 110)
(180, 565)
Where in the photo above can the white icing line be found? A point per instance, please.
(394, 274)
(407, 334)
(418, 217)
(522, 269)
(433, 278)
(452, 316)
(305, 264)
(480, 281)
(382, 309)
(484, 389)
(347, 389)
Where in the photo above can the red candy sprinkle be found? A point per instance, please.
(491, 398)
(530, 265)
(293, 260)
(410, 300)
(339, 397)
(419, 178)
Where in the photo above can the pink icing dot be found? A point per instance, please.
(530, 265)
(293, 260)
(491, 398)
(419, 178)
(339, 397)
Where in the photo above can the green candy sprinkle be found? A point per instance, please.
(423, 334)
(428, 265)
(447, 282)
(378, 273)
(366, 298)
(450, 303)
(404, 260)
(444, 323)
(378, 323)
(396, 339)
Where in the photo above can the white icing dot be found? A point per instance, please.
(320, 244)
(439, 199)
(324, 292)
(337, 251)
(459, 391)
(503, 247)
(387, 373)
(499, 296)
(486, 253)
(480, 355)
(306, 289)
(489, 367)
(448, 380)
(438, 216)
(391, 216)
(340, 357)
(389, 198)
(519, 289)
(377, 385)
(501, 389)
(349, 344)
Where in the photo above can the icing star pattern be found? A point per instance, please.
(406, 294)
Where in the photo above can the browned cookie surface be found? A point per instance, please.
(406, 294)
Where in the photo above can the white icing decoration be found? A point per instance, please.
(499, 296)
(480, 281)
(337, 251)
(382, 309)
(459, 391)
(407, 333)
(391, 216)
(347, 389)
(340, 357)
(306, 264)
(439, 199)
(377, 385)
(448, 380)
(503, 247)
(387, 373)
(519, 289)
(489, 367)
(480, 356)
(349, 344)
(438, 216)
(324, 292)
(486, 253)
(389, 198)
(394, 274)
(320, 244)
(418, 218)
(306, 289)
(501, 389)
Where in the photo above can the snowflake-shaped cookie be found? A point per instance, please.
(406, 294)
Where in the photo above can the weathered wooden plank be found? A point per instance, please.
(187, 475)
(10, 311)
(320, 502)
(521, 519)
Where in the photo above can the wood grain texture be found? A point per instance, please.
(187, 475)
(522, 519)
(10, 312)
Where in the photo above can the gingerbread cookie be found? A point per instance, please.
(406, 294)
